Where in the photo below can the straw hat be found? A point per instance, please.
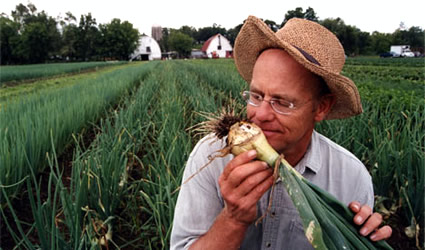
(312, 46)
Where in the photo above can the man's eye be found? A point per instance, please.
(283, 103)
(256, 97)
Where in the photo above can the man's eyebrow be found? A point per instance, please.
(254, 89)
(274, 95)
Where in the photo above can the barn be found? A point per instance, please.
(217, 46)
(148, 50)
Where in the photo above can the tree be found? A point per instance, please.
(364, 43)
(188, 30)
(69, 36)
(414, 36)
(38, 37)
(205, 33)
(349, 36)
(233, 33)
(8, 38)
(309, 14)
(120, 39)
(181, 43)
(88, 38)
(380, 42)
(163, 43)
(272, 25)
(23, 13)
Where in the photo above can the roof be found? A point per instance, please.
(207, 43)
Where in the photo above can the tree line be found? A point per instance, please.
(29, 36)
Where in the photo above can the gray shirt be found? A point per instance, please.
(325, 164)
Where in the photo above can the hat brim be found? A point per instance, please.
(255, 37)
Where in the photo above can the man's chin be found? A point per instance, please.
(276, 143)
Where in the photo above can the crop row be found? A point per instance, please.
(28, 124)
(18, 73)
(404, 62)
(400, 74)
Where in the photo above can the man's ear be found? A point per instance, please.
(324, 107)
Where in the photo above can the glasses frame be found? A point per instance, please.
(248, 94)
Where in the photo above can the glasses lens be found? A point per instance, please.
(282, 106)
(279, 105)
(252, 98)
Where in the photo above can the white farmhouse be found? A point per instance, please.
(217, 47)
(148, 50)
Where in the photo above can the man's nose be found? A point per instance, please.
(264, 112)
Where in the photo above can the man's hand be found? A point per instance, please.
(242, 183)
(370, 221)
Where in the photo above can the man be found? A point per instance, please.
(294, 82)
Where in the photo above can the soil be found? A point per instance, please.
(399, 239)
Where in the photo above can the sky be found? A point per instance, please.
(367, 15)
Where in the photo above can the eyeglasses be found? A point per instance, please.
(281, 106)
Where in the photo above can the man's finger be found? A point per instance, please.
(239, 160)
(364, 213)
(354, 206)
(260, 189)
(239, 174)
(381, 234)
(371, 224)
(254, 179)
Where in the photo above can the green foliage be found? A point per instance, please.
(119, 39)
(205, 33)
(33, 37)
(349, 36)
(181, 43)
(88, 42)
(8, 39)
(414, 36)
(308, 14)
(380, 42)
(28, 122)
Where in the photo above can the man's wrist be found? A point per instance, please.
(233, 222)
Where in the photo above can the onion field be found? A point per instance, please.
(13, 74)
(98, 163)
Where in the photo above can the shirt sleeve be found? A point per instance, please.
(199, 200)
(365, 194)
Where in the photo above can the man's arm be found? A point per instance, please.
(242, 183)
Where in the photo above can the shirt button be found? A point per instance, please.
(268, 244)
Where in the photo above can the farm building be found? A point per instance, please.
(148, 50)
(217, 47)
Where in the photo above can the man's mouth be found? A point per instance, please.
(269, 133)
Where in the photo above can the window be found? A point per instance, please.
(219, 47)
(148, 49)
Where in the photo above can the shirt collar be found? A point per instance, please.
(312, 156)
